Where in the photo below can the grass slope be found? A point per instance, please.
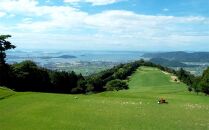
(132, 109)
(5, 93)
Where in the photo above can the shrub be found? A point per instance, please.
(81, 87)
(204, 82)
(116, 85)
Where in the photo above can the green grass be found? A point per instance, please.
(132, 109)
(5, 93)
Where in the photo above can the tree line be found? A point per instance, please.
(27, 76)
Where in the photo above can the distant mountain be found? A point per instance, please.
(62, 56)
(66, 56)
(169, 63)
(180, 56)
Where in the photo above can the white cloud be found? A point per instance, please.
(126, 22)
(49, 17)
(115, 27)
(57, 18)
(33, 8)
(121, 21)
(93, 2)
(72, 1)
(102, 2)
(2, 14)
(27, 20)
(18, 6)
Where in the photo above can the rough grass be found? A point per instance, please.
(132, 109)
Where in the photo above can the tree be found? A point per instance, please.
(95, 83)
(189, 88)
(4, 74)
(120, 74)
(4, 45)
(81, 87)
(204, 83)
(27, 76)
(61, 82)
(4, 68)
(185, 77)
(116, 85)
(196, 84)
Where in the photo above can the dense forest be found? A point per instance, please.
(27, 76)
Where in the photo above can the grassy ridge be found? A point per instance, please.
(132, 109)
(5, 93)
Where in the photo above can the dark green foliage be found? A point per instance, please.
(4, 74)
(60, 81)
(95, 84)
(185, 77)
(116, 85)
(120, 74)
(27, 76)
(63, 82)
(98, 81)
(189, 88)
(4, 68)
(89, 88)
(204, 82)
(196, 84)
(81, 87)
(4, 45)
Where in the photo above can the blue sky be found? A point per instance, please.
(138, 25)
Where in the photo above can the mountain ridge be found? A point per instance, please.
(180, 56)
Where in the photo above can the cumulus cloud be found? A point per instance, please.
(48, 16)
(115, 27)
(128, 22)
(18, 6)
(93, 2)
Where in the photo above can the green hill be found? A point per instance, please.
(132, 109)
(180, 56)
(169, 63)
(5, 93)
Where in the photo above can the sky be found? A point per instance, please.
(133, 25)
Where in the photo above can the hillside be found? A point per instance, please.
(132, 109)
(168, 63)
(180, 56)
(5, 93)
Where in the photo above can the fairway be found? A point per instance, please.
(133, 109)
